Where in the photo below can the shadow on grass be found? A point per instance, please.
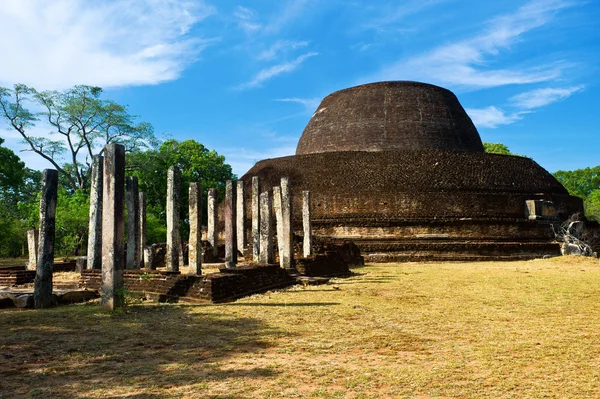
(150, 351)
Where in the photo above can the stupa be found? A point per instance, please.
(399, 168)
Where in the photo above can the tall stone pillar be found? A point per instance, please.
(230, 226)
(255, 218)
(42, 291)
(94, 249)
(278, 221)
(113, 226)
(266, 229)
(211, 226)
(172, 256)
(288, 228)
(240, 215)
(195, 240)
(142, 235)
(32, 246)
(307, 241)
(133, 222)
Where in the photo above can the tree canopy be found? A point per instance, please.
(196, 163)
(80, 124)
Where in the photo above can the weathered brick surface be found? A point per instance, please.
(228, 285)
(391, 116)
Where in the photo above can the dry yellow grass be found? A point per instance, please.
(450, 330)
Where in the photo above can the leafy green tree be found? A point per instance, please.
(498, 148)
(81, 123)
(197, 164)
(592, 205)
(12, 169)
(580, 182)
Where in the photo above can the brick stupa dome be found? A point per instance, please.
(399, 168)
(390, 116)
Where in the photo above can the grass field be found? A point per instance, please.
(450, 330)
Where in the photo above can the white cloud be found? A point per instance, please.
(310, 104)
(540, 97)
(492, 117)
(59, 43)
(290, 11)
(278, 47)
(276, 70)
(247, 19)
(464, 63)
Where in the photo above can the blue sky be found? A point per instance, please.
(244, 77)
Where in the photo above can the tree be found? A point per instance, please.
(12, 169)
(81, 123)
(499, 148)
(592, 205)
(580, 182)
(197, 164)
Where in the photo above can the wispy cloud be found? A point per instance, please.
(247, 19)
(465, 62)
(541, 97)
(290, 10)
(279, 47)
(310, 104)
(276, 70)
(56, 44)
(492, 117)
(398, 13)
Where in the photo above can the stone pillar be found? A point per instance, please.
(255, 218)
(94, 249)
(211, 228)
(230, 228)
(240, 215)
(266, 229)
(32, 245)
(142, 235)
(195, 240)
(149, 257)
(307, 241)
(172, 256)
(80, 263)
(113, 226)
(133, 222)
(278, 221)
(42, 291)
(288, 229)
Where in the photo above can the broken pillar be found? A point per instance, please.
(173, 240)
(195, 240)
(113, 227)
(211, 227)
(255, 218)
(94, 249)
(266, 230)
(230, 228)
(149, 251)
(278, 221)
(133, 222)
(142, 235)
(32, 246)
(42, 291)
(306, 242)
(240, 216)
(287, 237)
